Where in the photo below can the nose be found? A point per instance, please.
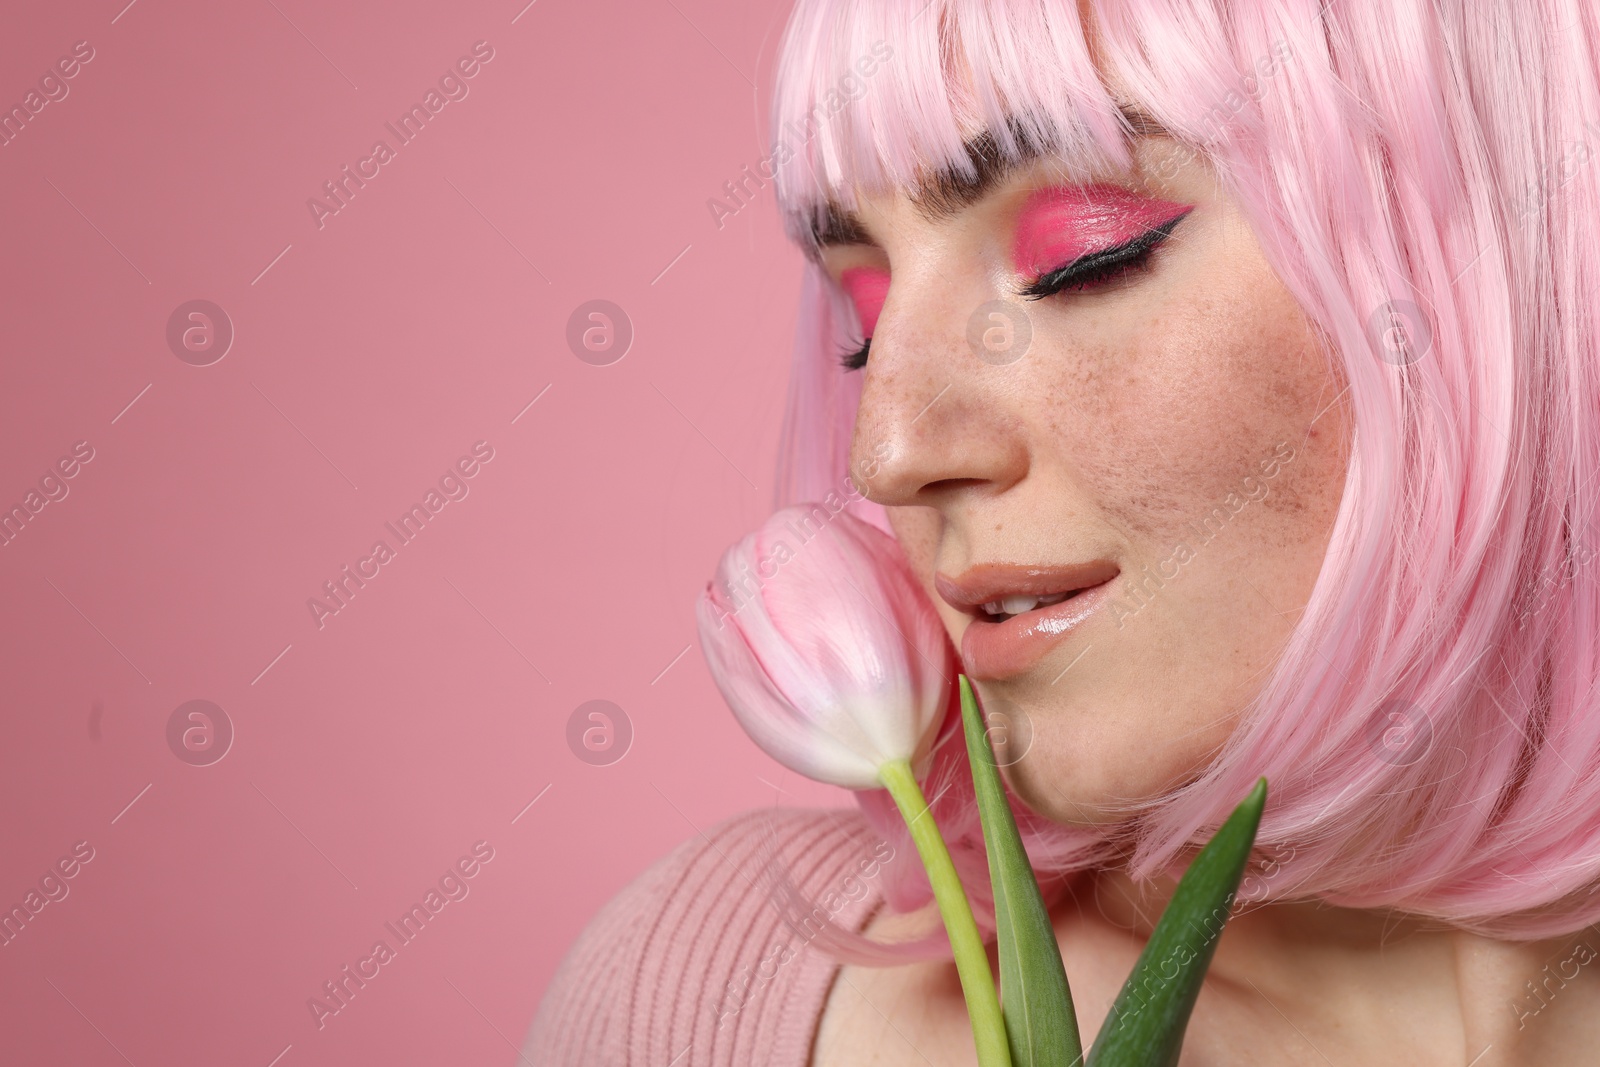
(936, 419)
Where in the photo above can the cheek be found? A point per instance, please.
(1195, 403)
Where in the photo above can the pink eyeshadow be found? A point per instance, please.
(867, 288)
(1058, 225)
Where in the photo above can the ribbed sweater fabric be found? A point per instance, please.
(697, 964)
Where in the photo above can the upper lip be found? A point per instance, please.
(983, 583)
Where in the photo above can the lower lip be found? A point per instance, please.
(994, 650)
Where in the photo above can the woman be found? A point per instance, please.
(1228, 373)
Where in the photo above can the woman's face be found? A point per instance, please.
(1147, 459)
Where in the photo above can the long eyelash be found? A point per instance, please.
(1090, 269)
(1104, 265)
(855, 358)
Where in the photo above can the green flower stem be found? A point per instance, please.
(972, 962)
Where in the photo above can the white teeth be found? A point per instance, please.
(1016, 605)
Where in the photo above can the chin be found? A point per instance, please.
(1079, 767)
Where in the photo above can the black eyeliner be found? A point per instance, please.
(1092, 263)
(1084, 267)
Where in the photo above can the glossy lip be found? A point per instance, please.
(994, 650)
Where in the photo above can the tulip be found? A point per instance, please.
(835, 663)
(825, 646)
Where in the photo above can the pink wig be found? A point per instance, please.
(1403, 162)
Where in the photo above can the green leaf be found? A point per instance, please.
(1146, 1024)
(1033, 984)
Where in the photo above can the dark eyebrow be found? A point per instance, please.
(950, 190)
(836, 226)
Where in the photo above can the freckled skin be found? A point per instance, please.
(1136, 410)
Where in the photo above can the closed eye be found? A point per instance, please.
(1089, 271)
(1104, 265)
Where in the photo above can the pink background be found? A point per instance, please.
(373, 752)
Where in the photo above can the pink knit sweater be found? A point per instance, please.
(709, 957)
